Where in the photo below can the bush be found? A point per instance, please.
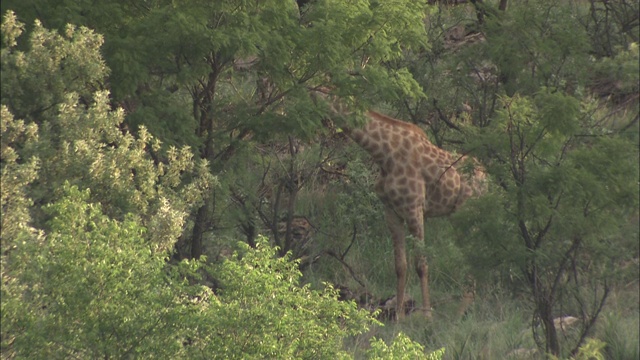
(94, 288)
(402, 348)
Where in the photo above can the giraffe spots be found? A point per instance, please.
(395, 140)
(402, 154)
(436, 197)
(393, 194)
(403, 190)
(407, 144)
(429, 156)
(450, 183)
(374, 147)
(415, 200)
(466, 192)
(388, 164)
(375, 135)
(413, 185)
(386, 147)
(415, 226)
(433, 170)
(416, 176)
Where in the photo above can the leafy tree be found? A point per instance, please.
(261, 310)
(232, 72)
(612, 25)
(525, 83)
(567, 186)
(402, 348)
(71, 255)
(565, 164)
(77, 138)
(93, 287)
(90, 287)
(89, 216)
(17, 174)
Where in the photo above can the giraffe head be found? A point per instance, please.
(475, 176)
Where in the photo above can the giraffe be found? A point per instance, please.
(417, 180)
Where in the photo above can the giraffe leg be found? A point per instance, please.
(423, 273)
(416, 227)
(396, 226)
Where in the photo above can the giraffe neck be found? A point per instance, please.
(402, 150)
(385, 138)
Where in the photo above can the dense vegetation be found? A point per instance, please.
(170, 189)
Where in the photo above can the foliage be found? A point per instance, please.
(231, 71)
(36, 81)
(537, 44)
(76, 137)
(401, 348)
(591, 350)
(206, 57)
(620, 330)
(91, 287)
(263, 311)
(611, 25)
(617, 76)
(83, 196)
(84, 248)
(17, 174)
(560, 206)
(544, 143)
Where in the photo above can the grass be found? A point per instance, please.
(497, 326)
(619, 327)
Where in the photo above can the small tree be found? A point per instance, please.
(566, 187)
(75, 137)
(91, 287)
(235, 72)
(89, 216)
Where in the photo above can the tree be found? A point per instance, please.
(567, 186)
(235, 72)
(85, 243)
(73, 259)
(80, 140)
(90, 286)
(612, 25)
(565, 168)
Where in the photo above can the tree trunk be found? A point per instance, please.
(503, 5)
(203, 101)
(545, 310)
(200, 225)
(292, 187)
(480, 12)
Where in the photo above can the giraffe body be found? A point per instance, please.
(417, 180)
